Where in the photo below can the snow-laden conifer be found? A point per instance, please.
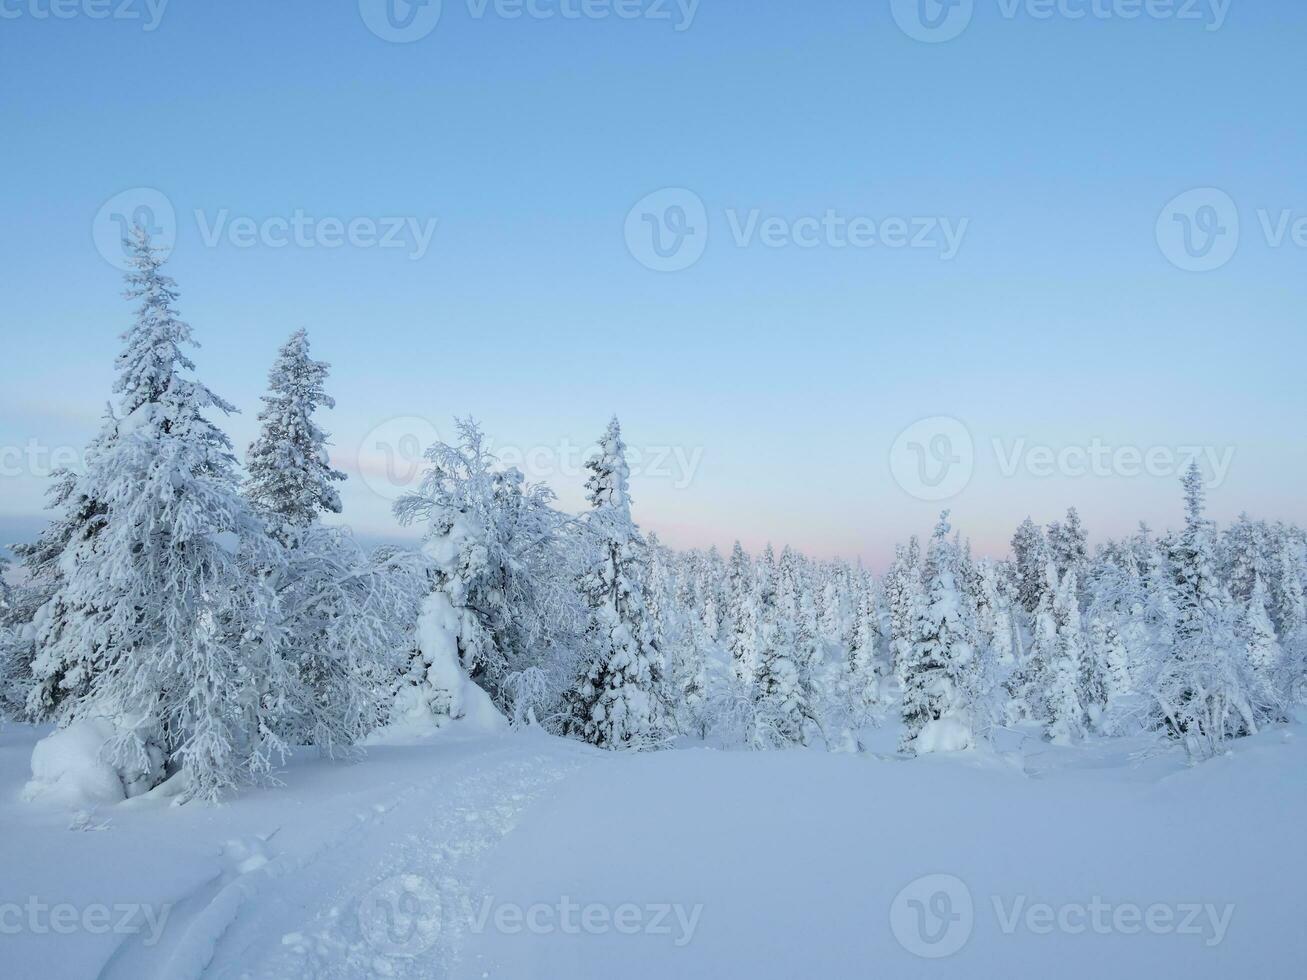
(939, 680)
(159, 627)
(616, 702)
(290, 479)
(1203, 688)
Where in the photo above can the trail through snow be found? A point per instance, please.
(388, 892)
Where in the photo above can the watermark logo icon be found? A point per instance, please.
(143, 206)
(1198, 231)
(667, 231)
(932, 916)
(391, 457)
(400, 21)
(932, 21)
(401, 916)
(934, 458)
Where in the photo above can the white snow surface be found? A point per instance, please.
(411, 862)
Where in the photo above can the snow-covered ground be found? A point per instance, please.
(523, 856)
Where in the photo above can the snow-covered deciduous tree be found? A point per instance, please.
(290, 479)
(502, 597)
(616, 702)
(348, 623)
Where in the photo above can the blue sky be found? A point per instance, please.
(766, 386)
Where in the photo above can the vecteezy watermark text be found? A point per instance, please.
(406, 21)
(404, 916)
(1200, 230)
(935, 21)
(935, 916)
(153, 211)
(36, 917)
(302, 230)
(935, 459)
(148, 12)
(36, 458)
(391, 458)
(668, 230)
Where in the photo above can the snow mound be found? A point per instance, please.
(440, 697)
(947, 734)
(68, 767)
(414, 720)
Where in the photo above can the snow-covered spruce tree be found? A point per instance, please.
(1158, 585)
(939, 683)
(742, 615)
(290, 480)
(1245, 552)
(780, 700)
(711, 587)
(865, 667)
(994, 612)
(1117, 638)
(904, 597)
(834, 613)
(1027, 684)
(1263, 647)
(1064, 676)
(76, 518)
(687, 675)
(502, 612)
(161, 633)
(1204, 690)
(616, 703)
(671, 604)
(1046, 687)
(1289, 596)
(1030, 556)
(794, 605)
(345, 617)
(1066, 541)
(15, 659)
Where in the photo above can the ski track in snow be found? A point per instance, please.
(348, 909)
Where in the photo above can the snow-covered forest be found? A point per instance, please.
(188, 618)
